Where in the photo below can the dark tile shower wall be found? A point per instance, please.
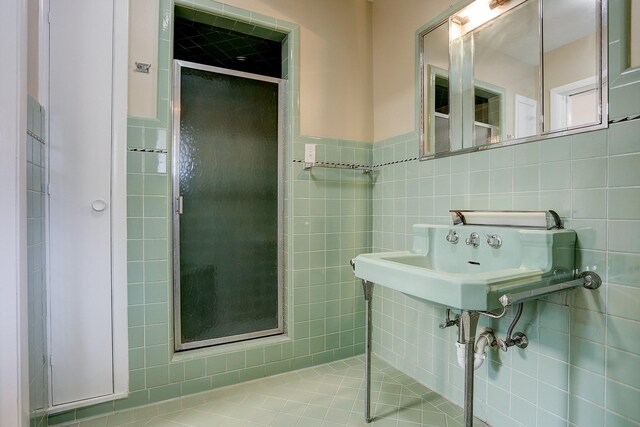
(217, 42)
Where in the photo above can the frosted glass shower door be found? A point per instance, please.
(227, 221)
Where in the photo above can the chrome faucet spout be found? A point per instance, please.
(473, 240)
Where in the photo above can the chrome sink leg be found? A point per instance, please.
(467, 336)
(368, 294)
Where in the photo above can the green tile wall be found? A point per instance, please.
(37, 301)
(579, 368)
(327, 222)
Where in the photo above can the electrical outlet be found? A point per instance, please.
(309, 153)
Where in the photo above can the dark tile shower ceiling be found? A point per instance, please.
(219, 47)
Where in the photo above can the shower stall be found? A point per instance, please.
(228, 189)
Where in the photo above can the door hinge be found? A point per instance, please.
(51, 360)
(179, 205)
(49, 17)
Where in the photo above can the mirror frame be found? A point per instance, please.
(601, 33)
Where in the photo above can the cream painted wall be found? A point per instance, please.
(335, 64)
(143, 47)
(394, 62)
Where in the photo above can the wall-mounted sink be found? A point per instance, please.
(470, 267)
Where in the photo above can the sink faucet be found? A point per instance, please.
(473, 239)
(452, 237)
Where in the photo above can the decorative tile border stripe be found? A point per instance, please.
(35, 136)
(148, 150)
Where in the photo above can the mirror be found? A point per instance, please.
(500, 72)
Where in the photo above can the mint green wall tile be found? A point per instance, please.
(176, 372)
(136, 337)
(135, 250)
(502, 157)
(553, 400)
(155, 228)
(623, 334)
(134, 184)
(612, 419)
(136, 315)
(93, 410)
(194, 369)
(155, 185)
(555, 175)
(554, 344)
(196, 385)
(591, 234)
(156, 355)
(555, 149)
(216, 364)
(134, 228)
(624, 170)
(618, 236)
(155, 163)
(588, 355)
(584, 413)
(589, 173)
(155, 249)
(136, 358)
(623, 301)
(134, 206)
(623, 400)
(156, 313)
(620, 367)
(155, 206)
(623, 203)
(526, 178)
(135, 272)
(501, 180)
(157, 376)
(522, 410)
(155, 139)
(156, 334)
(586, 385)
(588, 324)
(623, 137)
(156, 271)
(589, 144)
(224, 379)
(591, 203)
(171, 391)
(479, 182)
(136, 379)
(527, 154)
(624, 269)
(549, 420)
(255, 357)
(155, 292)
(553, 372)
(524, 386)
(134, 162)
(236, 360)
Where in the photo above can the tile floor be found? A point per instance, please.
(325, 395)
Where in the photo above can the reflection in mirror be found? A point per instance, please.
(435, 57)
(506, 67)
(500, 72)
(571, 70)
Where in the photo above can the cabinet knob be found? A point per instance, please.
(99, 205)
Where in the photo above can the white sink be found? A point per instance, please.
(469, 277)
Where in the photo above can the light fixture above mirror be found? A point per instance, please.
(500, 72)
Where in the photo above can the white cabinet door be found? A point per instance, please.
(81, 70)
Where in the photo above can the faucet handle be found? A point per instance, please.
(473, 239)
(494, 240)
(452, 237)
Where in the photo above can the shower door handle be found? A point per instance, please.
(179, 205)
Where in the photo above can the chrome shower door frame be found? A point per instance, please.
(177, 204)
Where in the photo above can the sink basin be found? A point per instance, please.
(468, 277)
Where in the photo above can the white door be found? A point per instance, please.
(80, 114)
(525, 116)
